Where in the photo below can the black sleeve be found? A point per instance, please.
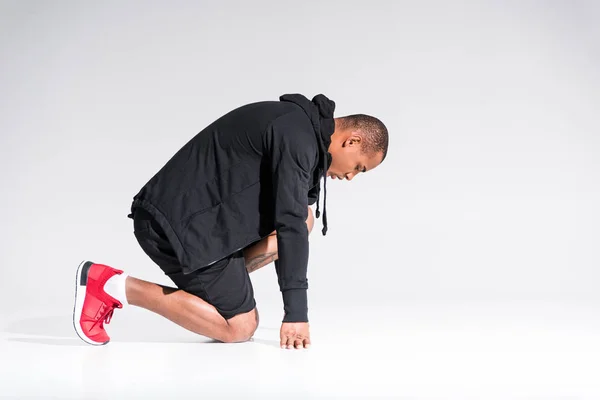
(312, 195)
(293, 156)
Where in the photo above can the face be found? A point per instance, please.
(348, 160)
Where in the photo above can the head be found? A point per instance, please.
(359, 144)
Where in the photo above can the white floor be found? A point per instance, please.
(529, 351)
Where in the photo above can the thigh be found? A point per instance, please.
(225, 284)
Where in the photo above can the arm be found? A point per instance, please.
(293, 155)
(312, 195)
(265, 251)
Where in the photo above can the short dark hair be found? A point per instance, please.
(376, 134)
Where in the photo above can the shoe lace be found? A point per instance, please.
(109, 315)
(107, 311)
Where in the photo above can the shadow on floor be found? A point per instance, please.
(59, 331)
(50, 341)
(266, 342)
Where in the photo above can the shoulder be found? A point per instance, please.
(294, 127)
(291, 136)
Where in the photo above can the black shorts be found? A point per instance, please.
(225, 284)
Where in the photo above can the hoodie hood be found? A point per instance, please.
(320, 111)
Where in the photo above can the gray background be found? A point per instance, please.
(486, 207)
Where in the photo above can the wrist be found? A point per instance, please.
(295, 304)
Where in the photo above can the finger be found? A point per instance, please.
(306, 343)
(282, 340)
(298, 343)
(290, 342)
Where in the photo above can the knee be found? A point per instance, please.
(242, 327)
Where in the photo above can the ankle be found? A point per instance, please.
(115, 287)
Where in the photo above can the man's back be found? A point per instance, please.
(214, 196)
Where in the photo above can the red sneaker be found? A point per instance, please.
(93, 306)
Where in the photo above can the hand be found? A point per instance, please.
(294, 335)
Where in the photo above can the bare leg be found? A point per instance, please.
(190, 312)
(265, 251)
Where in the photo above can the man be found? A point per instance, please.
(231, 200)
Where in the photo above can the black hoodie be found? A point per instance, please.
(254, 170)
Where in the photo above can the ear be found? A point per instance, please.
(354, 140)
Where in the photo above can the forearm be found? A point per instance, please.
(262, 253)
(265, 251)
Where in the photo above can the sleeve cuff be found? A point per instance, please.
(295, 305)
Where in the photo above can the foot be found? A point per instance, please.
(93, 306)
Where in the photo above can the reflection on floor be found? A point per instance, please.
(487, 351)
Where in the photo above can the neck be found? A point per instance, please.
(338, 133)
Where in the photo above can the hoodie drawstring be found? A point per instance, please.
(318, 214)
(324, 231)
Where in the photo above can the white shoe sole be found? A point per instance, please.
(80, 288)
